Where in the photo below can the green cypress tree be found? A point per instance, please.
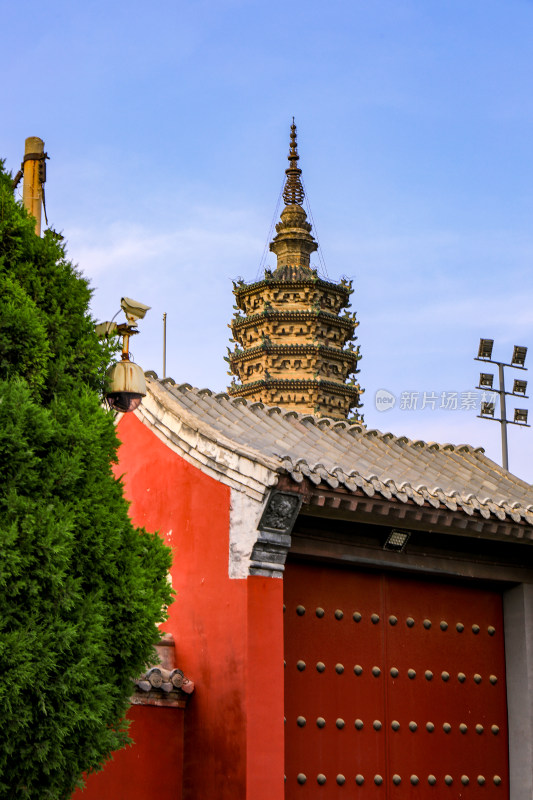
(81, 589)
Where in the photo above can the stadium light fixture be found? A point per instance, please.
(520, 416)
(486, 380)
(519, 356)
(485, 348)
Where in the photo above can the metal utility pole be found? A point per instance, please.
(165, 344)
(486, 381)
(34, 167)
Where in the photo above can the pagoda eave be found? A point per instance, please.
(296, 349)
(340, 389)
(271, 282)
(292, 316)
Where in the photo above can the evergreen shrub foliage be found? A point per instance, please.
(81, 589)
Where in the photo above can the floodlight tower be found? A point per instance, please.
(486, 381)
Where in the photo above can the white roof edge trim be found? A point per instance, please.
(213, 454)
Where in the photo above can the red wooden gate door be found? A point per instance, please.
(394, 688)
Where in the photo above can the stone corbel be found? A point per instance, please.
(275, 527)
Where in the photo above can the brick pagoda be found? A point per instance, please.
(293, 346)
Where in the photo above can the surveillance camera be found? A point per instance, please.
(126, 386)
(133, 309)
(105, 329)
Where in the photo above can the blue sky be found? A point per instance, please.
(167, 126)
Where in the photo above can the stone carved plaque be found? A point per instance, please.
(280, 512)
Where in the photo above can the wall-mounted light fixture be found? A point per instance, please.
(396, 540)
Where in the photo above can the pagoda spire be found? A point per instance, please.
(293, 243)
(293, 193)
(292, 332)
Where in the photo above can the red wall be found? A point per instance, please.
(228, 632)
(265, 696)
(151, 769)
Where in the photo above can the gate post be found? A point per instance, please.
(518, 626)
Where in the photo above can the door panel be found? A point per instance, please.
(394, 688)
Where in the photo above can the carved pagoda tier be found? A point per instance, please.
(292, 331)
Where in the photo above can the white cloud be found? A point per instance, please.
(124, 246)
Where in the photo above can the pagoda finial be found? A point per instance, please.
(293, 193)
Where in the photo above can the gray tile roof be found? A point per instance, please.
(163, 684)
(345, 454)
(165, 680)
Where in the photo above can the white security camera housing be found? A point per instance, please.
(105, 329)
(126, 386)
(133, 309)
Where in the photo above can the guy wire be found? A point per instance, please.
(269, 236)
(320, 254)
